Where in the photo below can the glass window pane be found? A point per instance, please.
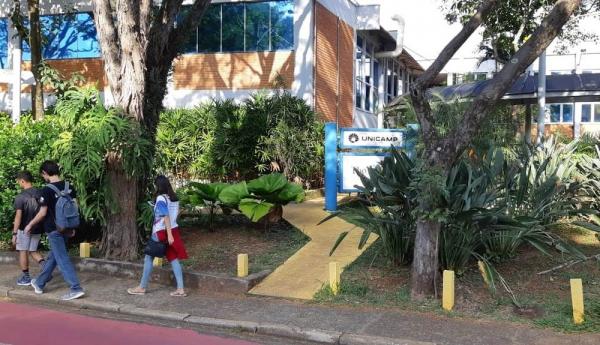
(257, 26)
(586, 113)
(358, 64)
(358, 95)
(282, 24)
(209, 30)
(233, 27)
(3, 43)
(368, 97)
(555, 113)
(191, 38)
(59, 36)
(597, 112)
(567, 113)
(87, 37)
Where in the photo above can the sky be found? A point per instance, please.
(427, 31)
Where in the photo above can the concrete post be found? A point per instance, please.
(16, 84)
(541, 93)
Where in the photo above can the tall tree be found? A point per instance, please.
(442, 151)
(32, 34)
(35, 44)
(513, 21)
(138, 45)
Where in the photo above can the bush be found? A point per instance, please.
(22, 147)
(226, 141)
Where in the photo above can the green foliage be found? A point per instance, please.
(226, 141)
(254, 199)
(22, 147)
(489, 206)
(93, 136)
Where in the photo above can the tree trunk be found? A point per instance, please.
(120, 238)
(37, 90)
(425, 262)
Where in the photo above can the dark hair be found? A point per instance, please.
(25, 176)
(50, 168)
(163, 186)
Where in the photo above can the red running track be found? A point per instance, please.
(27, 325)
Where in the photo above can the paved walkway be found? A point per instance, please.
(109, 293)
(305, 272)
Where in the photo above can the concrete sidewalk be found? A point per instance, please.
(305, 272)
(330, 324)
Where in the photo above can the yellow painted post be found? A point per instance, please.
(334, 277)
(84, 250)
(448, 292)
(577, 300)
(157, 262)
(242, 265)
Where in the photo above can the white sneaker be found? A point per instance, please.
(72, 295)
(36, 288)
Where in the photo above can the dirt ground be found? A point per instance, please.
(217, 250)
(544, 299)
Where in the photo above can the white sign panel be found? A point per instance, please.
(349, 163)
(371, 138)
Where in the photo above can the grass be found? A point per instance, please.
(373, 281)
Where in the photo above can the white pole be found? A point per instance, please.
(16, 84)
(541, 93)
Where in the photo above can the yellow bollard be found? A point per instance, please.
(448, 291)
(157, 262)
(577, 300)
(334, 277)
(242, 265)
(84, 250)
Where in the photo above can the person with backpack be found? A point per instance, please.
(26, 207)
(165, 239)
(60, 216)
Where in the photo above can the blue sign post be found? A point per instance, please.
(373, 140)
(331, 166)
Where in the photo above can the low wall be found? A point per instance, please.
(193, 280)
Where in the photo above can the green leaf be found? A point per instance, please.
(338, 241)
(291, 192)
(254, 209)
(233, 194)
(267, 184)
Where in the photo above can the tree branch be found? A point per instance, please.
(177, 37)
(160, 31)
(428, 77)
(543, 36)
(145, 17)
(418, 89)
(109, 42)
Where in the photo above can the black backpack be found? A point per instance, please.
(32, 203)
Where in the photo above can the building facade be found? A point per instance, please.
(573, 104)
(332, 53)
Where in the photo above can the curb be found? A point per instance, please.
(269, 329)
(193, 280)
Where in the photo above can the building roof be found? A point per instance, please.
(559, 88)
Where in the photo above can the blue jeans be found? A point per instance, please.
(177, 270)
(59, 257)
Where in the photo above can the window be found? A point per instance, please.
(67, 36)
(3, 43)
(394, 79)
(367, 81)
(238, 27)
(560, 113)
(586, 113)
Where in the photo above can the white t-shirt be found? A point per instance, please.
(162, 208)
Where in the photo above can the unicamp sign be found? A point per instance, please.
(365, 138)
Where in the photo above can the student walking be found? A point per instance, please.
(165, 230)
(59, 216)
(26, 208)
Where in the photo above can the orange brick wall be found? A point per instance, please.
(92, 71)
(550, 129)
(334, 58)
(252, 70)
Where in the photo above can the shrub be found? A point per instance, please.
(22, 147)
